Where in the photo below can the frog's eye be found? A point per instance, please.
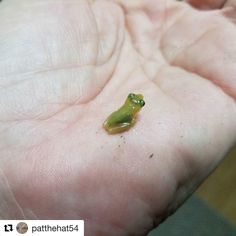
(142, 103)
(131, 95)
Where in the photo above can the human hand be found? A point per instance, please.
(66, 65)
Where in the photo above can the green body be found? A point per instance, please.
(124, 118)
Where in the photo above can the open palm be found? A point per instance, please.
(66, 65)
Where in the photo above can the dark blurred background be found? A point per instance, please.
(219, 190)
(211, 211)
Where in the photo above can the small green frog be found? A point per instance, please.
(124, 118)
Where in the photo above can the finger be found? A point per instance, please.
(230, 3)
(207, 4)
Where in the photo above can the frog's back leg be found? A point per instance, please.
(119, 128)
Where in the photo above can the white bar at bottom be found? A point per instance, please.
(41, 227)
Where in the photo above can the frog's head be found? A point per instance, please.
(135, 101)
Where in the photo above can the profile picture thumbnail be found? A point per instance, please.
(22, 228)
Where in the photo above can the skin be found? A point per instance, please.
(64, 66)
(124, 118)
